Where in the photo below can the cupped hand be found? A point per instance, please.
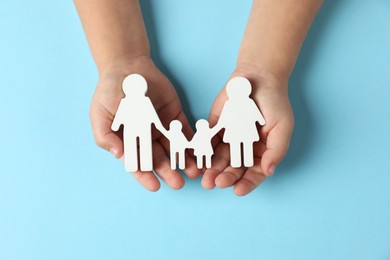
(271, 96)
(105, 101)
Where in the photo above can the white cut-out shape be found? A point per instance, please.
(238, 117)
(201, 143)
(136, 113)
(178, 144)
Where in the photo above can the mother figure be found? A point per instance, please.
(239, 116)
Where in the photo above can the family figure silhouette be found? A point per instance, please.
(137, 114)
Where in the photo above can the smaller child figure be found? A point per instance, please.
(178, 144)
(201, 143)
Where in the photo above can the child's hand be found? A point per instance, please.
(270, 94)
(105, 102)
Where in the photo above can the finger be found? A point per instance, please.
(220, 161)
(217, 139)
(148, 180)
(168, 113)
(278, 140)
(187, 129)
(163, 169)
(103, 135)
(229, 177)
(191, 169)
(258, 149)
(252, 178)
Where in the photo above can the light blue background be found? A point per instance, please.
(63, 198)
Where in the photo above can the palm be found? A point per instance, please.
(105, 101)
(274, 140)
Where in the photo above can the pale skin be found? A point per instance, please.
(273, 37)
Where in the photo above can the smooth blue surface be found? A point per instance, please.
(63, 198)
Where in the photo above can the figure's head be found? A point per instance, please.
(134, 85)
(201, 124)
(175, 125)
(238, 87)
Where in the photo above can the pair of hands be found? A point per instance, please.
(267, 91)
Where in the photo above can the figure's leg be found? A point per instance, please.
(208, 161)
(173, 159)
(130, 153)
(146, 155)
(182, 160)
(199, 161)
(235, 155)
(248, 154)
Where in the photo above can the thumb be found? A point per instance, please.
(277, 143)
(104, 136)
(110, 142)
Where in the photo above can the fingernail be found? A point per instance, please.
(114, 152)
(272, 169)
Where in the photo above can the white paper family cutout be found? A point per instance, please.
(137, 114)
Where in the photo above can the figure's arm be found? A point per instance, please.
(117, 122)
(160, 127)
(261, 119)
(257, 114)
(162, 130)
(215, 129)
(155, 119)
(221, 119)
(189, 144)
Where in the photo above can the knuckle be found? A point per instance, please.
(99, 140)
